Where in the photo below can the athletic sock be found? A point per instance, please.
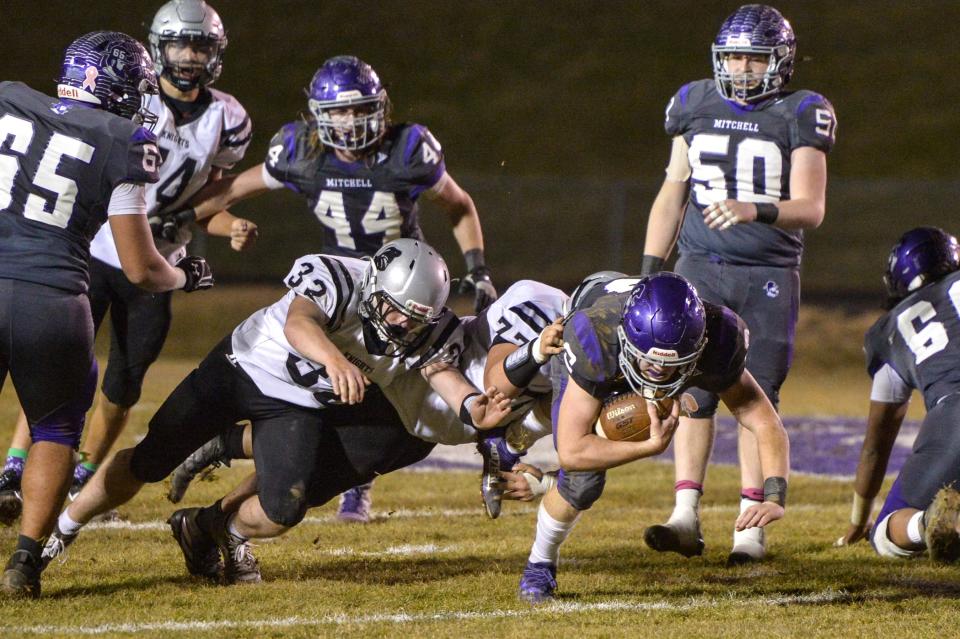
(32, 546)
(83, 471)
(67, 525)
(687, 504)
(232, 529)
(550, 534)
(16, 458)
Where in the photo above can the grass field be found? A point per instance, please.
(432, 565)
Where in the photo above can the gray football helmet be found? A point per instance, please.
(194, 22)
(407, 276)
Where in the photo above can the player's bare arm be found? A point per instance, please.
(460, 209)
(666, 213)
(883, 426)
(753, 411)
(304, 329)
(141, 262)
(511, 383)
(221, 194)
(579, 449)
(243, 233)
(485, 410)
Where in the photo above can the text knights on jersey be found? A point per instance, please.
(349, 183)
(753, 127)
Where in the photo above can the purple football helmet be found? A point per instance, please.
(754, 29)
(921, 256)
(664, 326)
(112, 71)
(347, 82)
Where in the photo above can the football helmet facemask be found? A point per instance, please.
(754, 29)
(348, 103)
(408, 277)
(187, 40)
(662, 334)
(112, 71)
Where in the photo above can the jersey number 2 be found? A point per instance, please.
(55, 210)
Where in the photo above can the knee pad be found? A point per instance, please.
(124, 389)
(886, 548)
(706, 403)
(65, 425)
(581, 489)
(285, 508)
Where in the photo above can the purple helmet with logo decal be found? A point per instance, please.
(349, 104)
(112, 71)
(921, 256)
(755, 29)
(662, 334)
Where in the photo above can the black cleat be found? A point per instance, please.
(21, 578)
(11, 499)
(200, 552)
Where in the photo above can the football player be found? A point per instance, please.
(299, 370)
(914, 346)
(747, 174)
(514, 319)
(362, 176)
(69, 165)
(200, 132)
(654, 336)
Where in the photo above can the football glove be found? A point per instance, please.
(165, 227)
(199, 275)
(478, 280)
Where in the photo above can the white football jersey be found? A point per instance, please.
(217, 138)
(333, 284)
(517, 317)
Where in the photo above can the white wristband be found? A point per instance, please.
(860, 513)
(537, 356)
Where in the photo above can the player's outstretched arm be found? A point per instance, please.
(666, 213)
(304, 329)
(579, 449)
(883, 426)
(243, 233)
(483, 411)
(750, 406)
(219, 195)
(139, 259)
(511, 368)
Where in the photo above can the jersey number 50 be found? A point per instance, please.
(757, 169)
(40, 207)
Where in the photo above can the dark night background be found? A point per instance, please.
(550, 114)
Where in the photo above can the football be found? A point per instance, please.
(623, 417)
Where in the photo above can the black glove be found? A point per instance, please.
(478, 280)
(166, 227)
(199, 275)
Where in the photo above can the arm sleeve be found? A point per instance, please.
(888, 387)
(816, 123)
(128, 199)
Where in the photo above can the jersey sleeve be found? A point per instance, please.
(236, 135)
(444, 346)
(584, 356)
(423, 163)
(677, 116)
(725, 355)
(142, 158)
(873, 347)
(816, 122)
(284, 156)
(326, 282)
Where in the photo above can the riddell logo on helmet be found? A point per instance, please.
(663, 353)
(742, 40)
(420, 309)
(353, 94)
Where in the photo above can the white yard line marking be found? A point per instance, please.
(564, 608)
(406, 549)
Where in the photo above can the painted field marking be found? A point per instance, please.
(562, 608)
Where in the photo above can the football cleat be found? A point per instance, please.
(355, 504)
(21, 578)
(941, 526)
(200, 553)
(240, 566)
(56, 547)
(538, 582)
(672, 537)
(497, 458)
(212, 454)
(11, 499)
(748, 546)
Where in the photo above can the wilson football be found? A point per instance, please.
(623, 417)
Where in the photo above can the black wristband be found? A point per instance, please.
(775, 490)
(520, 366)
(465, 412)
(651, 264)
(474, 259)
(767, 213)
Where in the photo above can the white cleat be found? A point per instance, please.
(749, 546)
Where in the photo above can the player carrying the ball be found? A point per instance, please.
(653, 336)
